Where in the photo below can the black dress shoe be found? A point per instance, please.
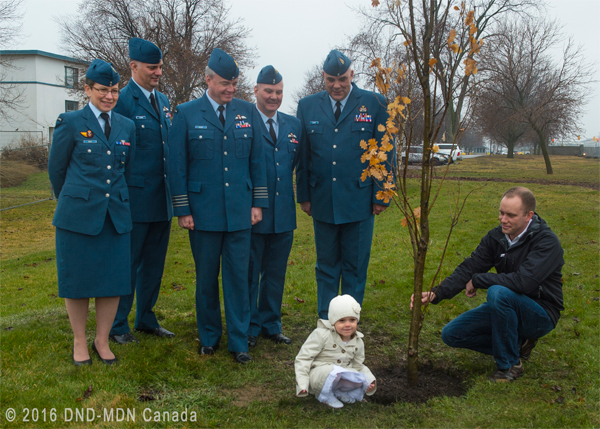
(106, 361)
(207, 350)
(241, 357)
(252, 340)
(279, 338)
(126, 338)
(81, 362)
(158, 332)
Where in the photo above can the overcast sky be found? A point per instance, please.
(292, 35)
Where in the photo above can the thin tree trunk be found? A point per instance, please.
(542, 146)
(416, 321)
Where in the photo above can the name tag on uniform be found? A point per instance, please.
(314, 122)
(140, 117)
(201, 127)
(90, 141)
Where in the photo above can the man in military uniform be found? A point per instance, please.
(219, 187)
(329, 186)
(150, 198)
(272, 237)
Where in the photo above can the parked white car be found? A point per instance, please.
(451, 150)
(415, 156)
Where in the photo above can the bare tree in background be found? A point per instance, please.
(380, 38)
(546, 94)
(185, 30)
(498, 121)
(313, 83)
(11, 95)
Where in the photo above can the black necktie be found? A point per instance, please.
(154, 104)
(338, 110)
(106, 124)
(221, 116)
(272, 130)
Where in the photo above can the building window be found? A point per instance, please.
(71, 106)
(71, 77)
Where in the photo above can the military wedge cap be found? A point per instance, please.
(223, 64)
(144, 51)
(336, 63)
(103, 73)
(269, 75)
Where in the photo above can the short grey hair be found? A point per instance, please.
(210, 72)
(526, 196)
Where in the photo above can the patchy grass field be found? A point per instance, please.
(531, 169)
(560, 387)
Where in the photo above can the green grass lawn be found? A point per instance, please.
(560, 387)
(531, 168)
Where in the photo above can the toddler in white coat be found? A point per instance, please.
(330, 362)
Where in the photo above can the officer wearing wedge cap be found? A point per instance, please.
(149, 193)
(329, 184)
(272, 237)
(219, 187)
(91, 155)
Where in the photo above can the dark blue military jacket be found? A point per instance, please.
(150, 197)
(281, 159)
(87, 172)
(329, 169)
(217, 172)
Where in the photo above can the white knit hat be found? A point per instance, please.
(343, 306)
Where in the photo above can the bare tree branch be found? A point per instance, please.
(185, 30)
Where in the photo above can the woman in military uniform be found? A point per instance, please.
(89, 159)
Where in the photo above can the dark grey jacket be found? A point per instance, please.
(531, 267)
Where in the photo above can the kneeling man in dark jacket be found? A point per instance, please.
(524, 295)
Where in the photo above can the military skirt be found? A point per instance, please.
(93, 266)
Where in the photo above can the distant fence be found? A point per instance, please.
(23, 174)
(591, 151)
(571, 150)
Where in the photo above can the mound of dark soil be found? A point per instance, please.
(392, 385)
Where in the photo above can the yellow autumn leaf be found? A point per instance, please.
(387, 147)
(385, 196)
(363, 145)
(404, 222)
(470, 17)
(417, 212)
(406, 100)
(456, 8)
(374, 3)
(407, 42)
(377, 174)
(365, 157)
(436, 148)
(452, 34)
(382, 156)
(364, 175)
(432, 62)
(470, 66)
(373, 143)
(454, 48)
(376, 62)
(380, 128)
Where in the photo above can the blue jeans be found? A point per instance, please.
(499, 326)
